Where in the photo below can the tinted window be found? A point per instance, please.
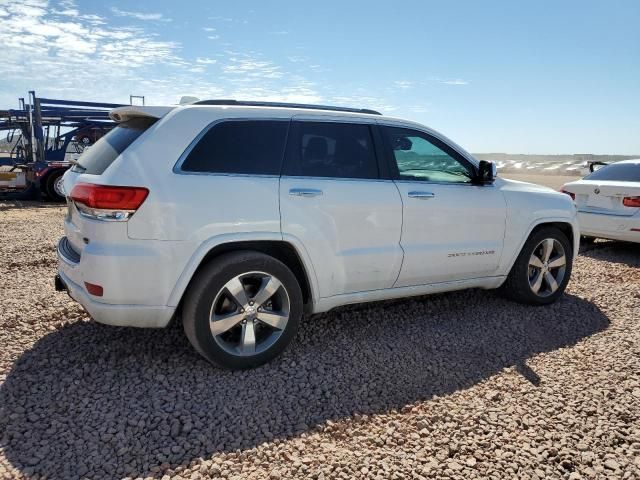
(418, 156)
(622, 172)
(97, 158)
(247, 146)
(325, 149)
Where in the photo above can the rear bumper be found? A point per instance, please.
(613, 227)
(143, 316)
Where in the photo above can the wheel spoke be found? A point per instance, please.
(236, 289)
(553, 285)
(224, 323)
(270, 285)
(248, 339)
(547, 248)
(534, 261)
(535, 286)
(276, 320)
(558, 261)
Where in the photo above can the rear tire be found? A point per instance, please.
(52, 186)
(242, 309)
(542, 270)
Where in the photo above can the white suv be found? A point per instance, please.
(244, 215)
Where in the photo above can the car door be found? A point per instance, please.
(452, 228)
(334, 204)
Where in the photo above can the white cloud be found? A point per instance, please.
(213, 37)
(110, 60)
(249, 67)
(403, 84)
(139, 15)
(67, 53)
(221, 19)
(279, 32)
(457, 81)
(206, 61)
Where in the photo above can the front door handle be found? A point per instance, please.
(305, 192)
(422, 195)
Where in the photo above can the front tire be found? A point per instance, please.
(242, 309)
(542, 270)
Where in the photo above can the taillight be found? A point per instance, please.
(631, 202)
(572, 195)
(93, 289)
(104, 202)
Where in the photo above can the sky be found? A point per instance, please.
(539, 77)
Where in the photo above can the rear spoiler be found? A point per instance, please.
(594, 164)
(122, 114)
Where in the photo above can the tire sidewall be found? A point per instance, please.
(523, 264)
(229, 267)
(51, 186)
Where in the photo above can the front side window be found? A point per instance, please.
(337, 150)
(240, 146)
(418, 156)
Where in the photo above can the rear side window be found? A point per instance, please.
(622, 172)
(325, 149)
(247, 146)
(97, 158)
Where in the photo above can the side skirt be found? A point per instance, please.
(327, 303)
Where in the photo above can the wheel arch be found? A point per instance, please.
(281, 250)
(566, 225)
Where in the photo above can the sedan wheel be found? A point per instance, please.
(547, 267)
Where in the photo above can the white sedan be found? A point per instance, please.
(608, 201)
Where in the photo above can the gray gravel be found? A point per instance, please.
(462, 385)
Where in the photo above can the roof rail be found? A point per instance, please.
(247, 103)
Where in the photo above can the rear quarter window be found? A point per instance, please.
(239, 146)
(97, 158)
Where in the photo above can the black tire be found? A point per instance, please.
(206, 287)
(50, 186)
(517, 287)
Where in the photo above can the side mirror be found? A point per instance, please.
(487, 172)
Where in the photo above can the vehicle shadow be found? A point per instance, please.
(102, 401)
(626, 253)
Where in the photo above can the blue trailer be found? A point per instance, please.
(44, 137)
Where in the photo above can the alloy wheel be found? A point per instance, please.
(249, 313)
(547, 267)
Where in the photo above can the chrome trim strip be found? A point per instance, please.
(341, 179)
(608, 214)
(451, 184)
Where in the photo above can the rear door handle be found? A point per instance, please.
(305, 192)
(422, 195)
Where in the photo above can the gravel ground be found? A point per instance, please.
(461, 385)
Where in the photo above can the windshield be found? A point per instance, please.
(622, 172)
(96, 159)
